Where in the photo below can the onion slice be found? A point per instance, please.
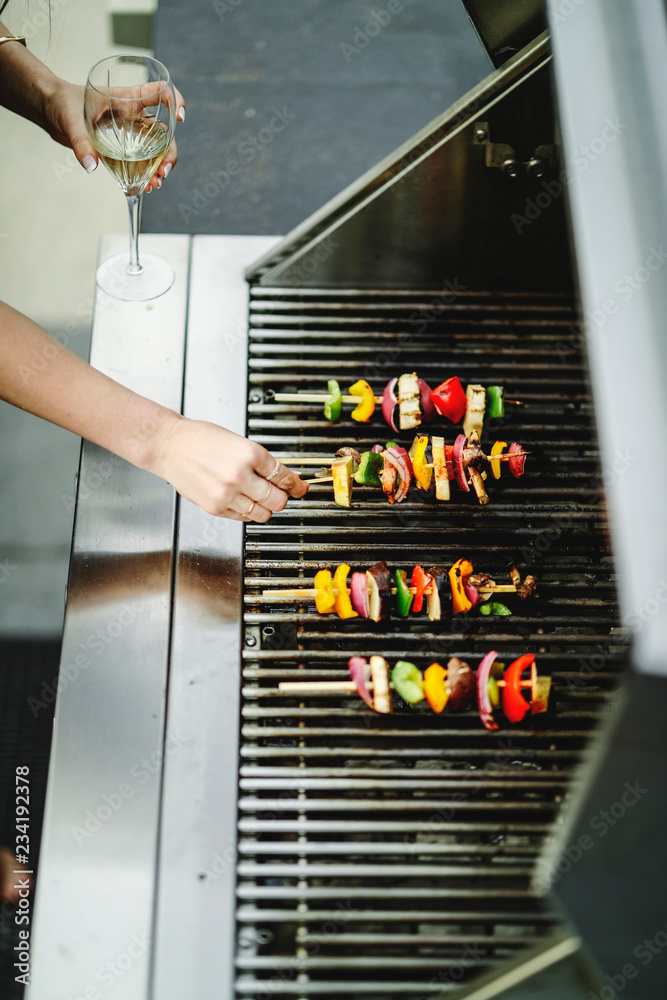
(360, 672)
(359, 594)
(484, 706)
(389, 403)
(400, 460)
(457, 462)
(428, 409)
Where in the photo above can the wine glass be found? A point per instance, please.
(130, 110)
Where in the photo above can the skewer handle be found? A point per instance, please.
(314, 397)
(344, 686)
(306, 593)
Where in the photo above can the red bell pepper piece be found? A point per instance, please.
(449, 399)
(421, 582)
(515, 705)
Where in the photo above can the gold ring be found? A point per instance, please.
(268, 490)
(274, 473)
(250, 509)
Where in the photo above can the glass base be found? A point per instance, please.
(156, 277)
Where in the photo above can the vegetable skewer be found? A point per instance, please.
(454, 685)
(394, 469)
(407, 401)
(369, 592)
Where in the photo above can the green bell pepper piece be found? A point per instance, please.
(404, 598)
(408, 682)
(494, 692)
(334, 403)
(495, 395)
(370, 468)
(494, 608)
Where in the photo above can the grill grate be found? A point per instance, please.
(386, 855)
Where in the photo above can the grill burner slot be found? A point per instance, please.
(383, 856)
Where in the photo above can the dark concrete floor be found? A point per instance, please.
(289, 101)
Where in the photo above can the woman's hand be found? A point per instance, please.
(224, 473)
(62, 118)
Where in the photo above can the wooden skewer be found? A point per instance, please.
(314, 397)
(309, 593)
(320, 479)
(350, 685)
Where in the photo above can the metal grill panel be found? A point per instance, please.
(392, 855)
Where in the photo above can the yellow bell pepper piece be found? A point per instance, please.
(497, 449)
(365, 409)
(422, 472)
(435, 689)
(460, 600)
(343, 602)
(325, 599)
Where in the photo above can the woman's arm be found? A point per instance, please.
(219, 470)
(31, 90)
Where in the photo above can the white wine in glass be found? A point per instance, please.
(130, 111)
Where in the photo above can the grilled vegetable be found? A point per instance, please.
(343, 602)
(475, 406)
(400, 460)
(403, 596)
(420, 583)
(360, 672)
(497, 449)
(461, 683)
(460, 600)
(359, 594)
(407, 680)
(379, 591)
(495, 608)
(422, 472)
(389, 404)
(484, 703)
(380, 678)
(439, 590)
(442, 491)
(334, 403)
(342, 470)
(366, 407)
(495, 397)
(344, 452)
(449, 399)
(458, 463)
(325, 599)
(370, 469)
(435, 687)
(515, 705)
(409, 401)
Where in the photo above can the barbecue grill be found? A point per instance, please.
(210, 835)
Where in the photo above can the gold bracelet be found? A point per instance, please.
(13, 38)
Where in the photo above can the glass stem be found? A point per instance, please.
(134, 203)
